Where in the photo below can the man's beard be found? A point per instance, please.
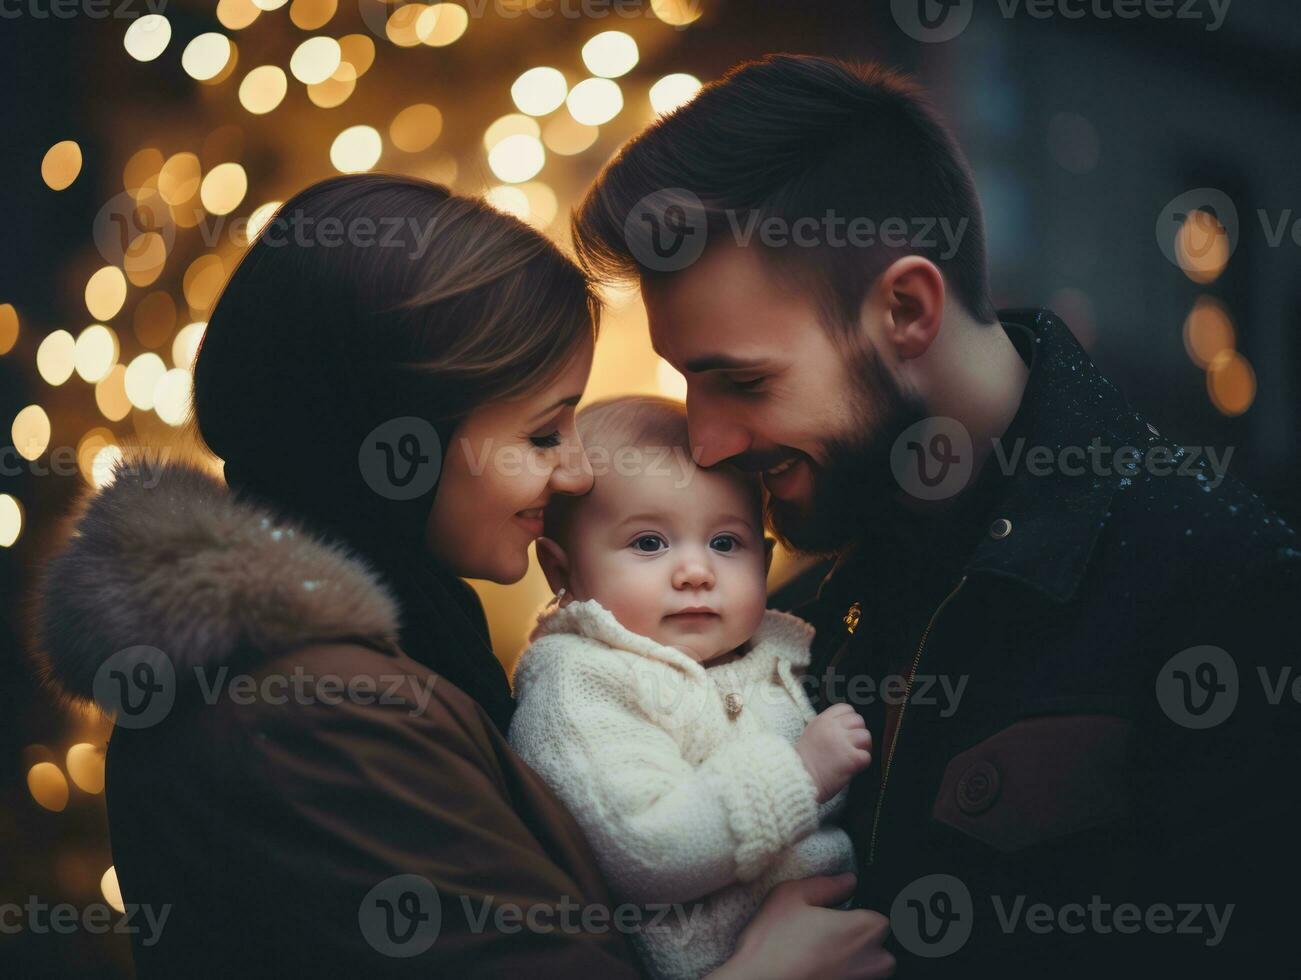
(853, 485)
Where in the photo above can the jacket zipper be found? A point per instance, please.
(898, 727)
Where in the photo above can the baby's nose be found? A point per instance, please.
(693, 573)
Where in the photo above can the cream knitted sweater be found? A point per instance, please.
(683, 802)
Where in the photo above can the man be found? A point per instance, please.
(1063, 630)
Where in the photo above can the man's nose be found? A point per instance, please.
(713, 436)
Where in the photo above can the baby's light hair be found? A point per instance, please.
(643, 422)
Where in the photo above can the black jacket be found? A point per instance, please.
(1071, 767)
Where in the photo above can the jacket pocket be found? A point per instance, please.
(1037, 780)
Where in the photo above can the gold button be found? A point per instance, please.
(1000, 529)
(851, 618)
(733, 703)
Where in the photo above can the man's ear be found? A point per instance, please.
(909, 301)
(554, 562)
(768, 545)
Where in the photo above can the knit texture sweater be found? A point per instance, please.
(692, 809)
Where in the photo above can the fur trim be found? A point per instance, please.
(175, 561)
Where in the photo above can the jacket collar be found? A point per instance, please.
(780, 635)
(166, 557)
(1055, 514)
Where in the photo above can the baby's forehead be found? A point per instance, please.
(672, 489)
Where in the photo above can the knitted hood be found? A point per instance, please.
(166, 557)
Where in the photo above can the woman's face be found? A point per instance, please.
(504, 463)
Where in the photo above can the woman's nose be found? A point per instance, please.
(693, 572)
(573, 474)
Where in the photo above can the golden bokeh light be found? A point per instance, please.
(154, 319)
(109, 888)
(539, 91)
(142, 376)
(1208, 330)
(103, 465)
(315, 60)
(673, 91)
(186, 345)
(110, 394)
(1202, 247)
(263, 89)
(565, 135)
(147, 37)
(357, 55)
(96, 352)
(333, 91)
(203, 281)
(677, 13)
(85, 764)
(312, 15)
(594, 101)
(48, 786)
(236, 15)
(510, 199)
(105, 293)
(56, 357)
(145, 259)
(11, 520)
(143, 166)
(441, 24)
(172, 396)
(266, 5)
(30, 433)
(416, 127)
(205, 57)
(223, 188)
(258, 220)
(356, 149)
(513, 124)
(402, 26)
(89, 447)
(179, 178)
(517, 158)
(61, 165)
(8, 328)
(610, 54)
(1231, 383)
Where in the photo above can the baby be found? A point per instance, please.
(662, 702)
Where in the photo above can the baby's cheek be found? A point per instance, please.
(631, 595)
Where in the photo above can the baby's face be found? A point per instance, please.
(678, 557)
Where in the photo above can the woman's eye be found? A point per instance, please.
(649, 544)
(724, 542)
(546, 442)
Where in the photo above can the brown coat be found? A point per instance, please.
(278, 761)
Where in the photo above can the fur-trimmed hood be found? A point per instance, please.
(168, 558)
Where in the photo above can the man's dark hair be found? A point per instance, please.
(795, 137)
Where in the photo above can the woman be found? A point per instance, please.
(308, 770)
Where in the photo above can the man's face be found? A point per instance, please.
(769, 388)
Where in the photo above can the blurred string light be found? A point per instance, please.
(1231, 383)
(110, 889)
(594, 101)
(110, 394)
(202, 282)
(565, 135)
(673, 91)
(416, 128)
(11, 520)
(356, 54)
(61, 165)
(30, 432)
(147, 37)
(56, 357)
(223, 188)
(610, 54)
(263, 89)
(48, 786)
(678, 13)
(172, 396)
(96, 352)
(154, 319)
(142, 376)
(8, 328)
(312, 15)
(356, 149)
(539, 91)
(85, 764)
(1202, 247)
(441, 24)
(186, 345)
(105, 293)
(206, 56)
(258, 220)
(266, 5)
(1208, 331)
(513, 124)
(235, 15)
(316, 60)
(534, 202)
(517, 158)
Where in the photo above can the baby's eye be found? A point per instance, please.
(725, 542)
(649, 544)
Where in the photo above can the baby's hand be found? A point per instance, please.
(833, 747)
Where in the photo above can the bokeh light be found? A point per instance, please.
(610, 54)
(61, 165)
(356, 149)
(594, 101)
(146, 38)
(673, 91)
(539, 91)
(11, 520)
(56, 357)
